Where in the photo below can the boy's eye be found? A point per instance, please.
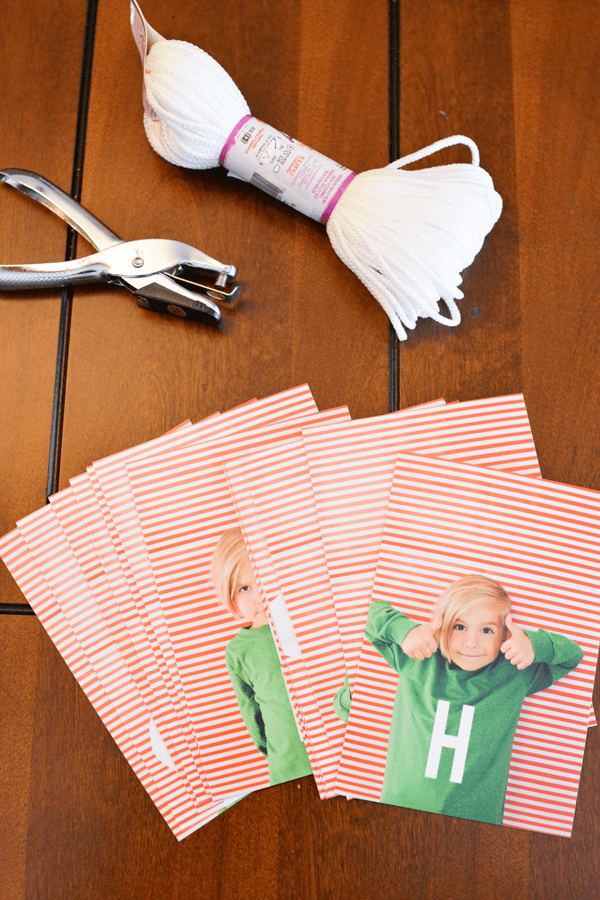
(244, 587)
(459, 627)
(487, 630)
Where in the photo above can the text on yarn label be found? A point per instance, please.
(284, 168)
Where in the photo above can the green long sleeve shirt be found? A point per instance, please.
(257, 679)
(452, 731)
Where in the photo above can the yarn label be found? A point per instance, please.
(144, 36)
(284, 168)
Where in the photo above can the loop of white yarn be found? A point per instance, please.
(439, 145)
(196, 102)
(407, 235)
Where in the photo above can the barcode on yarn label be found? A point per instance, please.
(284, 168)
(267, 186)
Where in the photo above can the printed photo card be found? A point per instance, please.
(475, 679)
(103, 494)
(156, 496)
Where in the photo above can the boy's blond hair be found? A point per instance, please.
(228, 557)
(464, 594)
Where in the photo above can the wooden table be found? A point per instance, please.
(521, 79)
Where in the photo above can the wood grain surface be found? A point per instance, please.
(520, 78)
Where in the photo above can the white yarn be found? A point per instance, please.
(406, 235)
(196, 102)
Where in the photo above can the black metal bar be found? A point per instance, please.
(24, 609)
(60, 380)
(16, 609)
(62, 352)
(394, 153)
(394, 80)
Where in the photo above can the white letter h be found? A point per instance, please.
(459, 743)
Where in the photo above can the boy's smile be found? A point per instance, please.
(475, 637)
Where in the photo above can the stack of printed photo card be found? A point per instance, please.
(321, 519)
(255, 598)
(118, 570)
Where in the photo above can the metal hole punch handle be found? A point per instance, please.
(49, 275)
(69, 210)
(135, 261)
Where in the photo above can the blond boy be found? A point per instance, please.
(253, 664)
(463, 679)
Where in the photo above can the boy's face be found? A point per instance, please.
(246, 597)
(475, 637)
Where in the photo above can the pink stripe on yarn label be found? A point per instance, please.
(284, 168)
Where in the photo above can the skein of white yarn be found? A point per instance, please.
(407, 235)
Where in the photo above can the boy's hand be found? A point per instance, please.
(421, 642)
(517, 648)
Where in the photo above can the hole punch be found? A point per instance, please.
(149, 268)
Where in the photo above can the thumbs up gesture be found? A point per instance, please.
(517, 648)
(422, 642)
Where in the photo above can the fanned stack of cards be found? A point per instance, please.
(400, 605)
